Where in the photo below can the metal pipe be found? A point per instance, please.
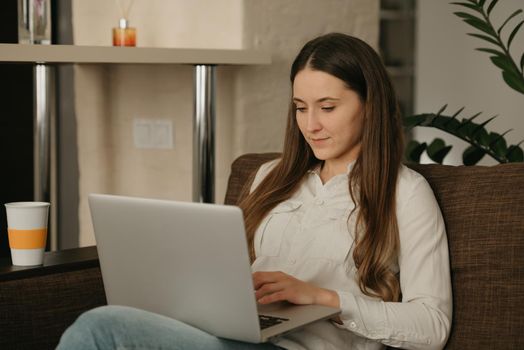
(44, 109)
(204, 134)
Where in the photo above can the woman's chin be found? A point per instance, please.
(321, 154)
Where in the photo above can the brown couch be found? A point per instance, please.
(483, 208)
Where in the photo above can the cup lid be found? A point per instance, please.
(27, 204)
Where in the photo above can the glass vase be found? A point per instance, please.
(34, 21)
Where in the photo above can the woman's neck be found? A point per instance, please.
(330, 169)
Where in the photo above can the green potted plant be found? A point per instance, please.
(482, 142)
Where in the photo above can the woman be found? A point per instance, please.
(337, 221)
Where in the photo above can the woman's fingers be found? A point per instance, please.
(260, 278)
(278, 286)
(273, 297)
(270, 288)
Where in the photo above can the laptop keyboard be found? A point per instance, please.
(268, 321)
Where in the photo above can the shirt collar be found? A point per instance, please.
(316, 169)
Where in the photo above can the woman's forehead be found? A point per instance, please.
(318, 86)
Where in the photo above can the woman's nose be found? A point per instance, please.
(313, 123)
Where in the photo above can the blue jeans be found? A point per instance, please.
(123, 328)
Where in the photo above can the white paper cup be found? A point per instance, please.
(27, 230)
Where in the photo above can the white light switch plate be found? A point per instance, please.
(153, 133)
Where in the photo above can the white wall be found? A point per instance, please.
(162, 23)
(251, 101)
(450, 71)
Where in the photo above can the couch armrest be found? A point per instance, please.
(38, 303)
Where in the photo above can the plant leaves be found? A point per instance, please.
(505, 63)
(508, 19)
(481, 136)
(472, 155)
(498, 143)
(466, 131)
(484, 37)
(450, 120)
(414, 150)
(481, 126)
(515, 154)
(481, 3)
(475, 134)
(514, 32)
(411, 122)
(491, 51)
(435, 145)
(481, 25)
(442, 109)
(437, 150)
(468, 5)
(458, 112)
(439, 121)
(491, 6)
(465, 15)
(450, 124)
(522, 61)
(516, 82)
(466, 123)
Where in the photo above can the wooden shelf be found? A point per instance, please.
(22, 53)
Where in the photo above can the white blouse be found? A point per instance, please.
(310, 237)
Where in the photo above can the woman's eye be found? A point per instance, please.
(301, 109)
(328, 109)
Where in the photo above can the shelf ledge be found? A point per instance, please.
(25, 53)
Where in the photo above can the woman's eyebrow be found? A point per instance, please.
(323, 99)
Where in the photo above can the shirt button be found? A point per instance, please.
(319, 201)
(353, 325)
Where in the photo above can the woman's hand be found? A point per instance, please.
(271, 287)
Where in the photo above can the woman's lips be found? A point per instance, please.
(318, 141)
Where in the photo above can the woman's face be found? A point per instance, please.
(329, 115)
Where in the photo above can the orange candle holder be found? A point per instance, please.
(124, 35)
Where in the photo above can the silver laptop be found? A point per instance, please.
(188, 261)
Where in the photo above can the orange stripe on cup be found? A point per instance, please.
(27, 239)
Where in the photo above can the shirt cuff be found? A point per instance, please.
(353, 320)
(366, 317)
(349, 315)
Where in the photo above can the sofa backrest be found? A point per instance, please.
(483, 208)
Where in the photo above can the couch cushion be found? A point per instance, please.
(483, 208)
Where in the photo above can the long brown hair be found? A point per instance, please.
(373, 178)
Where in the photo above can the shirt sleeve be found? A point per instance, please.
(422, 320)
